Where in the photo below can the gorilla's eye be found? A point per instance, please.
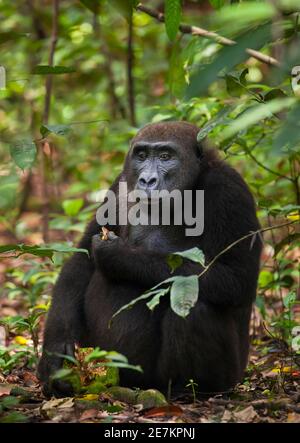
(164, 156)
(141, 155)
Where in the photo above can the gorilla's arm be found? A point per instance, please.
(65, 319)
(229, 215)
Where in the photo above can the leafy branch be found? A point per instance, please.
(201, 32)
(184, 290)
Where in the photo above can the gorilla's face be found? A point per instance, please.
(155, 166)
(161, 160)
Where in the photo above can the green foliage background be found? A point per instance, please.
(245, 107)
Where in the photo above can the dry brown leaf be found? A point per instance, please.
(227, 416)
(88, 414)
(170, 410)
(246, 415)
(293, 417)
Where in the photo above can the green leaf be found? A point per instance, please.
(176, 75)
(156, 299)
(172, 17)
(23, 152)
(55, 129)
(125, 7)
(227, 58)
(289, 300)
(92, 5)
(72, 207)
(193, 254)
(184, 294)
(133, 302)
(255, 114)
(236, 83)
(272, 94)
(217, 4)
(174, 261)
(46, 69)
(220, 118)
(288, 136)
(11, 36)
(38, 250)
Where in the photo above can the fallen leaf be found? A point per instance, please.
(88, 414)
(246, 415)
(227, 416)
(293, 417)
(164, 411)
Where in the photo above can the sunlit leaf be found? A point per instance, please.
(255, 114)
(72, 207)
(184, 294)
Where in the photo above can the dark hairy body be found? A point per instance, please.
(211, 345)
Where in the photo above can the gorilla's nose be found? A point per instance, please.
(148, 181)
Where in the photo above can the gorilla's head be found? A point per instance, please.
(164, 156)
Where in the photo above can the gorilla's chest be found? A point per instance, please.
(155, 238)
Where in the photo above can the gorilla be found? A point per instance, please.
(211, 344)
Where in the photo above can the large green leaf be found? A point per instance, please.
(255, 114)
(176, 73)
(227, 58)
(38, 250)
(23, 153)
(288, 136)
(172, 17)
(184, 294)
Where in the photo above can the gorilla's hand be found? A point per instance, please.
(104, 250)
(50, 362)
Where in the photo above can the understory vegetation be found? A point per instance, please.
(77, 80)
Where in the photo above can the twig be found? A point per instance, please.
(46, 112)
(116, 106)
(266, 168)
(258, 231)
(130, 79)
(195, 30)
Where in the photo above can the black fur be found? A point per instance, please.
(211, 345)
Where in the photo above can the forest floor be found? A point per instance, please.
(270, 391)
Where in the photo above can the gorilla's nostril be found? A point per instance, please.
(152, 181)
(142, 182)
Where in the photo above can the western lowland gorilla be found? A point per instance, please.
(211, 344)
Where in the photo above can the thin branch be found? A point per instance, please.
(130, 79)
(116, 106)
(195, 30)
(251, 234)
(266, 168)
(48, 87)
(54, 37)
